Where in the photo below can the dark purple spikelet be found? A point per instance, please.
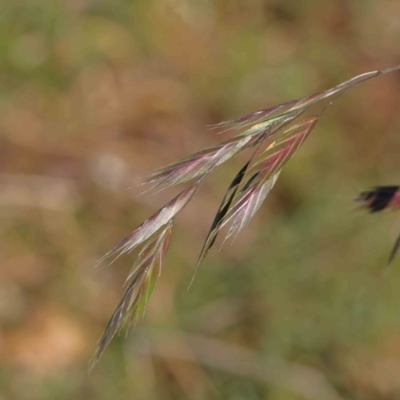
(380, 197)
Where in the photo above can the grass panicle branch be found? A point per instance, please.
(243, 198)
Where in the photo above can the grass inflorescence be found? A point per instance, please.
(282, 129)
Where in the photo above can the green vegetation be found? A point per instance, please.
(94, 95)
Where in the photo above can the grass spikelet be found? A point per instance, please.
(140, 285)
(380, 198)
(199, 163)
(249, 204)
(261, 179)
(276, 155)
(287, 109)
(221, 213)
(153, 224)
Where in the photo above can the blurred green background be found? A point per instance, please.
(94, 94)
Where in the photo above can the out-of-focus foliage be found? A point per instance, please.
(94, 95)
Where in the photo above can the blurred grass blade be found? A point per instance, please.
(394, 251)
